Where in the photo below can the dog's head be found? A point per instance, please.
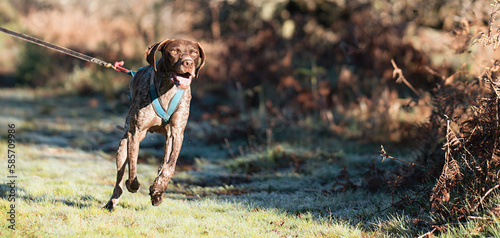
(182, 60)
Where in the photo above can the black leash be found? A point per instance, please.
(116, 66)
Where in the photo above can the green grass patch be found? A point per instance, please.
(60, 192)
(61, 197)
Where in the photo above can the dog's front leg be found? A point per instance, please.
(173, 144)
(135, 137)
(121, 158)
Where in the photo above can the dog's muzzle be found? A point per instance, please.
(183, 81)
(185, 73)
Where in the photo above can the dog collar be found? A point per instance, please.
(172, 107)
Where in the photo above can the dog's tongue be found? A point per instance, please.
(183, 81)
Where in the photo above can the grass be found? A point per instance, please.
(66, 173)
(61, 192)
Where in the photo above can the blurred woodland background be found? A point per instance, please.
(378, 71)
(309, 64)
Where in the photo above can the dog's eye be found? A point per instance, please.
(195, 53)
(174, 52)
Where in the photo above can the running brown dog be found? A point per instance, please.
(180, 62)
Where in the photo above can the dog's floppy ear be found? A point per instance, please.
(202, 59)
(152, 50)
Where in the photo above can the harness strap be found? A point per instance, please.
(160, 111)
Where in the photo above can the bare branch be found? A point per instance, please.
(401, 78)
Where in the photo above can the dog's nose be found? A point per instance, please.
(187, 63)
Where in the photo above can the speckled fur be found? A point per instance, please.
(142, 118)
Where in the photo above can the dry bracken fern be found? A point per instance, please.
(451, 175)
(489, 39)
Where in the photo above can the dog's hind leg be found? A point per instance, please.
(134, 139)
(121, 158)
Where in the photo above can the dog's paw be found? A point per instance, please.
(109, 206)
(134, 186)
(156, 197)
(156, 200)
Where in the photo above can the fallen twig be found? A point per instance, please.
(478, 218)
(428, 234)
(385, 156)
(484, 196)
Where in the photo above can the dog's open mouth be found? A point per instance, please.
(182, 80)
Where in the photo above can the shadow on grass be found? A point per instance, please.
(326, 183)
(7, 190)
(84, 201)
(46, 118)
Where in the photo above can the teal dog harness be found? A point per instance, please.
(160, 111)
